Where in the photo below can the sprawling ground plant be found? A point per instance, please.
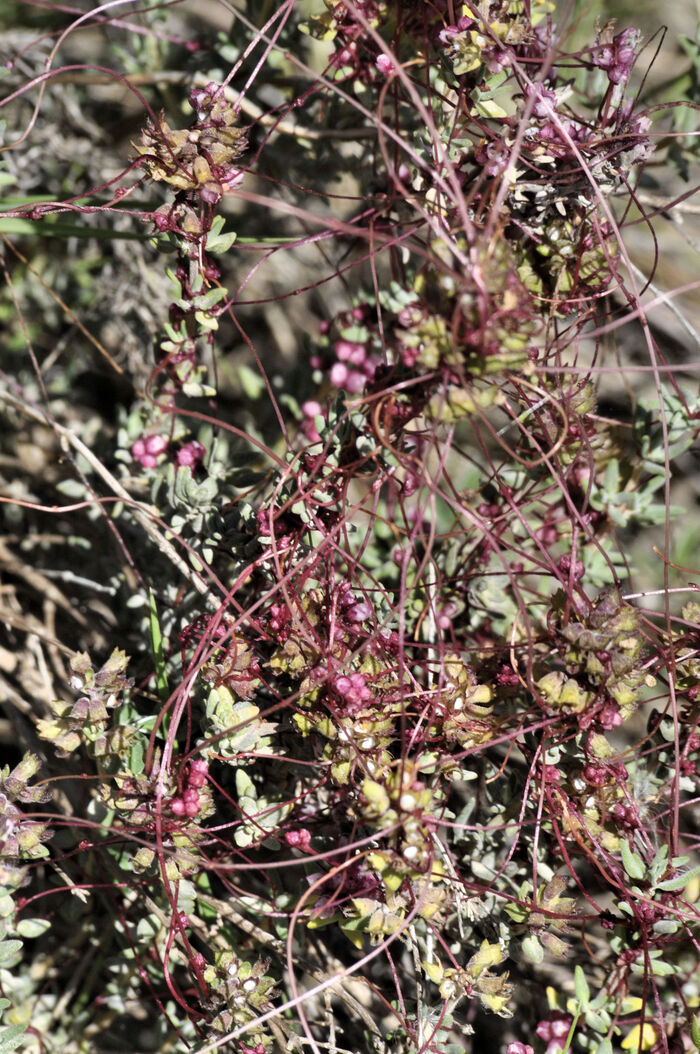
(340, 717)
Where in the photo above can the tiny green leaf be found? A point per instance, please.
(583, 992)
(666, 926)
(32, 927)
(532, 949)
(670, 885)
(157, 648)
(632, 862)
(11, 1037)
(662, 969)
(8, 949)
(695, 1031)
(598, 1022)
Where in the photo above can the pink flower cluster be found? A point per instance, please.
(554, 1031)
(279, 618)
(353, 689)
(570, 567)
(189, 803)
(351, 363)
(556, 133)
(507, 677)
(627, 814)
(385, 65)
(609, 715)
(148, 449)
(190, 454)
(311, 409)
(617, 58)
(446, 35)
(492, 51)
(299, 838)
(545, 99)
(353, 610)
(353, 367)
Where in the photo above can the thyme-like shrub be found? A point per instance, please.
(341, 717)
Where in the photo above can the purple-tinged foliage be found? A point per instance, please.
(401, 763)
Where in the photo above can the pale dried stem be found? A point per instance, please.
(140, 512)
